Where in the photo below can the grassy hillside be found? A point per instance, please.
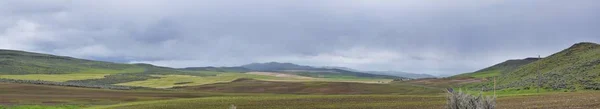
(575, 68)
(501, 68)
(20, 62)
(50, 69)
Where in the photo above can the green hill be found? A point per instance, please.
(20, 62)
(575, 68)
(36, 68)
(501, 68)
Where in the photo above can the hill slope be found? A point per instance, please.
(20, 62)
(500, 68)
(37, 68)
(577, 67)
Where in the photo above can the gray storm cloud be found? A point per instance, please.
(421, 36)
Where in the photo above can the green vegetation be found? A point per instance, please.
(54, 77)
(19, 63)
(575, 68)
(40, 107)
(499, 69)
(168, 81)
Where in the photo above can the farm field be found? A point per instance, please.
(583, 100)
(292, 102)
(55, 77)
(312, 87)
(28, 94)
(169, 81)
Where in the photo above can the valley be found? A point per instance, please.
(29, 80)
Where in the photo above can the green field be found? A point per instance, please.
(168, 81)
(55, 77)
(40, 107)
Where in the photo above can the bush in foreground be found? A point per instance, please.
(460, 100)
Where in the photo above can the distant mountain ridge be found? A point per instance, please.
(274, 66)
(403, 74)
(220, 69)
(312, 71)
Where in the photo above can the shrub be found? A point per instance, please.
(459, 100)
(232, 107)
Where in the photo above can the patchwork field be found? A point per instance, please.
(27, 94)
(582, 100)
(292, 102)
(168, 81)
(312, 87)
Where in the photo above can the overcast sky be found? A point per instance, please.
(439, 37)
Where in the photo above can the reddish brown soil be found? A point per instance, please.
(257, 86)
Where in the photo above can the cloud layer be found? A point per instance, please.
(422, 36)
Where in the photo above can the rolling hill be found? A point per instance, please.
(392, 73)
(402, 74)
(319, 72)
(219, 69)
(500, 68)
(575, 68)
(20, 62)
(37, 68)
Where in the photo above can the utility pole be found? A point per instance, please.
(539, 75)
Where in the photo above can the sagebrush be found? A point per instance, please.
(460, 100)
